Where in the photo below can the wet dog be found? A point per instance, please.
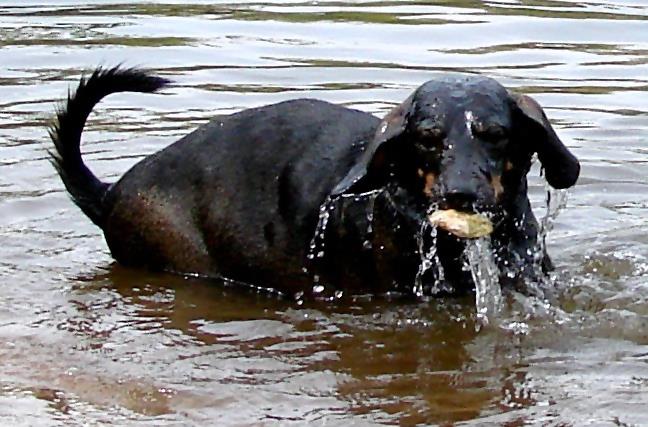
(305, 191)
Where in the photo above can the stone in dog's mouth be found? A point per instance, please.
(461, 224)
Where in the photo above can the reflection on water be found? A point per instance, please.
(87, 342)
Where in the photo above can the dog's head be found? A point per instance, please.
(461, 142)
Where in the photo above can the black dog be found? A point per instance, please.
(305, 191)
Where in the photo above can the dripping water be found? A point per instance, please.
(370, 217)
(429, 261)
(555, 202)
(316, 246)
(479, 260)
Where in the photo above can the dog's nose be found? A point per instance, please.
(459, 200)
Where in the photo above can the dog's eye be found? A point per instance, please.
(490, 133)
(430, 138)
(429, 145)
(430, 130)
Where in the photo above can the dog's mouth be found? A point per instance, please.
(466, 203)
(462, 224)
(463, 217)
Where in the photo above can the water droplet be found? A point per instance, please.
(517, 328)
(318, 289)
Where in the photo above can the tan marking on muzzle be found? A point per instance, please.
(496, 182)
(430, 181)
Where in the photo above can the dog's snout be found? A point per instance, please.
(466, 183)
(468, 193)
(459, 200)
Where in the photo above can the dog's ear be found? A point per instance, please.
(371, 171)
(560, 165)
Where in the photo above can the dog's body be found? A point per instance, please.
(242, 196)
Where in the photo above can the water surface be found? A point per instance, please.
(86, 342)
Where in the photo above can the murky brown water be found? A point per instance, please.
(85, 342)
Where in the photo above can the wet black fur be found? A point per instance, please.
(241, 196)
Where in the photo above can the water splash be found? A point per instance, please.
(370, 219)
(429, 261)
(485, 273)
(317, 245)
(555, 201)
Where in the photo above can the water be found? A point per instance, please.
(485, 273)
(430, 263)
(85, 342)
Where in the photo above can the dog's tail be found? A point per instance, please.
(86, 189)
